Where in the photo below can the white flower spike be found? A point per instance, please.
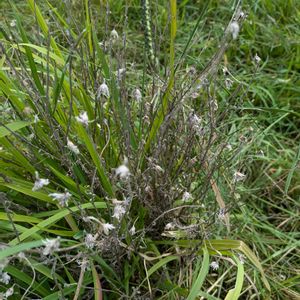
(39, 182)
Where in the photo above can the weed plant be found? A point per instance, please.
(133, 140)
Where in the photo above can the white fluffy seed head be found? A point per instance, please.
(238, 176)
(214, 265)
(119, 212)
(51, 246)
(62, 198)
(234, 29)
(72, 147)
(83, 118)
(9, 292)
(36, 119)
(257, 59)
(137, 95)
(90, 241)
(103, 90)
(39, 182)
(123, 172)
(132, 230)
(186, 196)
(107, 227)
(4, 278)
(114, 35)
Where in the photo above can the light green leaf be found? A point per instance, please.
(201, 276)
(53, 219)
(12, 127)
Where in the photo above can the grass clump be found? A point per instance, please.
(130, 154)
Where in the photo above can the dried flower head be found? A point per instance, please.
(195, 123)
(119, 211)
(228, 83)
(106, 227)
(170, 226)
(120, 73)
(9, 292)
(229, 147)
(114, 35)
(214, 105)
(234, 29)
(238, 176)
(132, 230)
(51, 246)
(13, 23)
(214, 265)
(186, 196)
(72, 147)
(158, 168)
(36, 119)
(4, 278)
(83, 118)
(103, 90)
(62, 198)
(137, 95)
(257, 59)
(241, 258)
(123, 171)
(221, 214)
(90, 240)
(39, 182)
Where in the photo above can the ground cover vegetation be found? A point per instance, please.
(149, 149)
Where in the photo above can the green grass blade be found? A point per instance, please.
(95, 157)
(235, 293)
(43, 25)
(160, 264)
(19, 218)
(53, 219)
(291, 172)
(12, 127)
(97, 284)
(27, 279)
(9, 251)
(29, 56)
(201, 276)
